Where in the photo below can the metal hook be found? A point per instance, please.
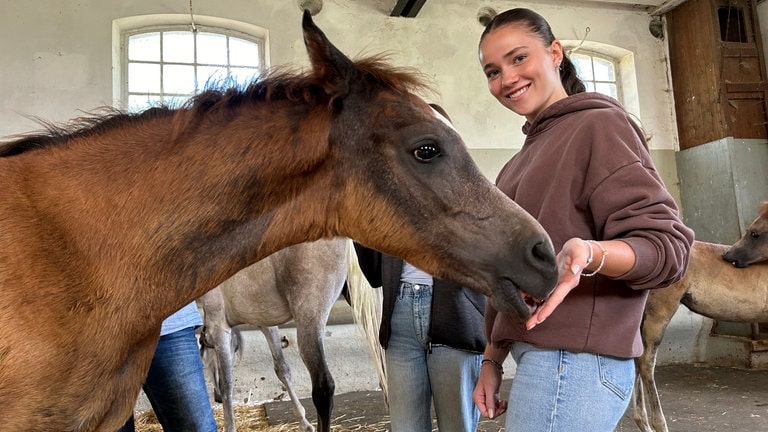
(192, 18)
(574, 49)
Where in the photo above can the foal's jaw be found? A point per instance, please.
(532, 302)
(509, 298)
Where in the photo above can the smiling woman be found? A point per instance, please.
(586, 174)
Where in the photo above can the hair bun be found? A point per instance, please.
(485, 15)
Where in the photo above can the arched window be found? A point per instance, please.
(169, 62)
(606, 69)
(597, 72)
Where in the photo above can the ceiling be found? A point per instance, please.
(411, 8)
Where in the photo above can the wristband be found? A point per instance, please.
(496, 364)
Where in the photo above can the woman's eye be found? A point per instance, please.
(426, 152)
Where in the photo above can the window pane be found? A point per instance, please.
(175, 101)
(144, 47)
(143, 78)
(178, 79)
(178, 47)
(583, 66)
(171, 65)
(603, 70)
(244, 75)
(243, 53)
(211, 48)
(208, 76)
(138, 103)
(607, 89)
(590, 85)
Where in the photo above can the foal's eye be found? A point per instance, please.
(426, 152)
(754, 234)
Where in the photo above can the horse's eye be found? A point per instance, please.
(426, 152)
(754, 234)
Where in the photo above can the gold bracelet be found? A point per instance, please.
(602, 258)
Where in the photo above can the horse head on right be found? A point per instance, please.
(417, 192)
(751, 248)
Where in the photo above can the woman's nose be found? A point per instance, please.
(508, 77)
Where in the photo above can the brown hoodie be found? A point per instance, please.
(585, 171)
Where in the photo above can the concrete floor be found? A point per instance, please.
(695, 399)
(348, 359)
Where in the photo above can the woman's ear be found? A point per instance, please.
(557, 53)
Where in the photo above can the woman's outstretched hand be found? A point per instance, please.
(571, 260)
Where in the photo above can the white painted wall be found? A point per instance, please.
(57, 54)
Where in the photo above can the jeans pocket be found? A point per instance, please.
(617, 375)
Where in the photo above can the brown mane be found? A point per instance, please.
(275, 84)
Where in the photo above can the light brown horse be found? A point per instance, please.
(111, 225)
(300, 283)
(714, 286)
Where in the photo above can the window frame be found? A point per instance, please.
(625, 69)
(126, 27)
(616, 70)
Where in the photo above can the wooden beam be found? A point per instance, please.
(407, 8)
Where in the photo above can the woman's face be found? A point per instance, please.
(522, 73)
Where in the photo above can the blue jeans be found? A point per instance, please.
(175, 386)
(562, 391)
(419, 374)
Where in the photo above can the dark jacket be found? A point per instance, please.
(456, 319)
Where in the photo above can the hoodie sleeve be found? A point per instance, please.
(630, 202)
(636, 208)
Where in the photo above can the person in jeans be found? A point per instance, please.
(585, 173)
(175, 383)
(432, 334)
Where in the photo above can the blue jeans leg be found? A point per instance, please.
(419, 375)
(175, 386)
(562, 391)
(453, 374)
(407, 375)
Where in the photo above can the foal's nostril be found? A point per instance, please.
(542, 258)
(542, 250)
(543, 253)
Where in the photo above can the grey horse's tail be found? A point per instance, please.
(366, 308)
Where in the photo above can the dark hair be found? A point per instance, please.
(537, 25)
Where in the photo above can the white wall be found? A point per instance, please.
(57, 54)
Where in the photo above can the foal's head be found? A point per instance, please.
(406, 185)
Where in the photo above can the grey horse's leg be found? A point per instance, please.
(283, 372)
(218, 334)
(310, 341)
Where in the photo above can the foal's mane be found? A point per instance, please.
(278, 83)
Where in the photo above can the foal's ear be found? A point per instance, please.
(331, 67)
